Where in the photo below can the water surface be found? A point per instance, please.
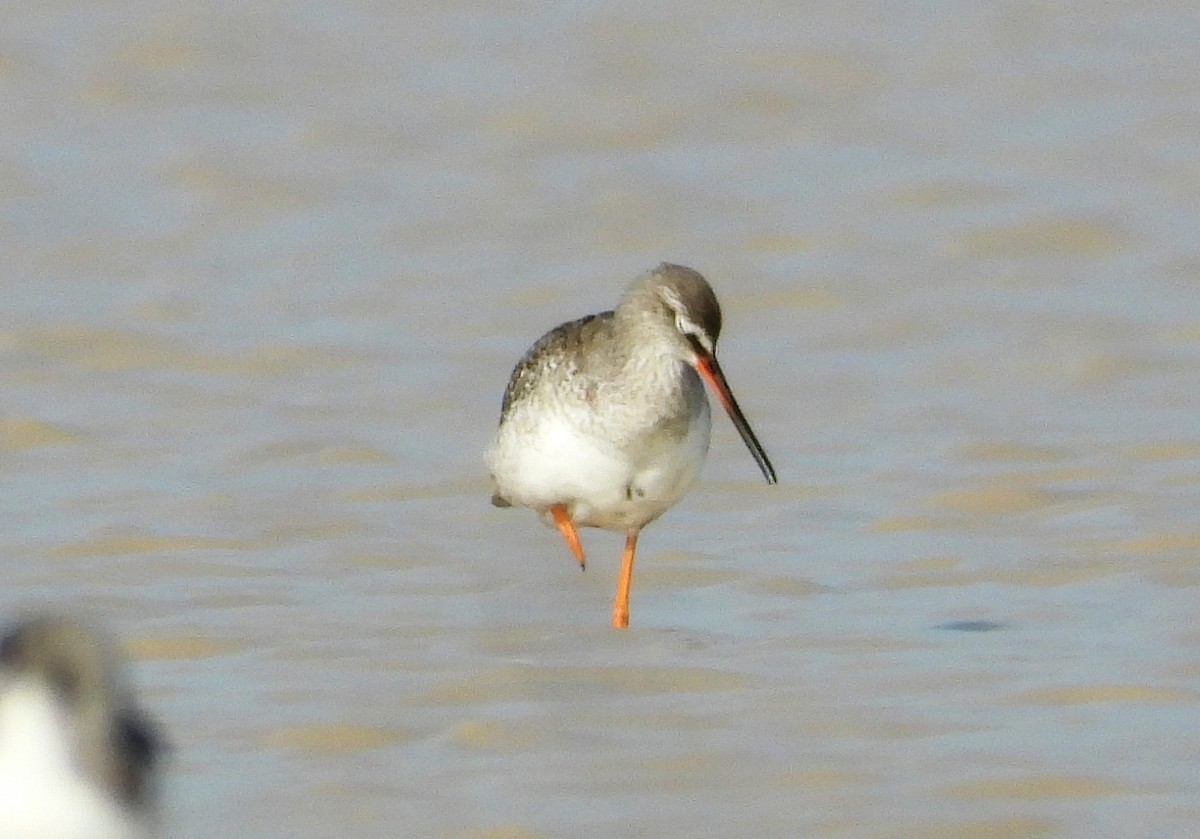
(268, 268)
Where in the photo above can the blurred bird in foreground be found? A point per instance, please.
(76, 755)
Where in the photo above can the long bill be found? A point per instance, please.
(710, 370)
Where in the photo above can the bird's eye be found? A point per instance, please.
(687, 326)
(696, 345)
(696, 336)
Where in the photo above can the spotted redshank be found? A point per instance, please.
(76, 756)
(605, 422)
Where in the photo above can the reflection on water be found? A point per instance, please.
(970, 626)
(267, 270)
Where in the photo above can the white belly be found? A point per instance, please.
(43, 795)
(539, 461)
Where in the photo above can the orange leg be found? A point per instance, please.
(620, 618)
(562, 519)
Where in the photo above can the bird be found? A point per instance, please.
(605, 422)
(77, 756)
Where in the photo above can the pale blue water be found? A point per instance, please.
(268, 268)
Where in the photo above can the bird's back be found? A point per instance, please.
(593, 415)
(555, 358)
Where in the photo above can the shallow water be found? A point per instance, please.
(268, 268)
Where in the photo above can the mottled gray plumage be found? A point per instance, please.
(592, 332)
(605, 422)
(563, 340)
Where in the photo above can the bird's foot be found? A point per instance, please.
(562, 520)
